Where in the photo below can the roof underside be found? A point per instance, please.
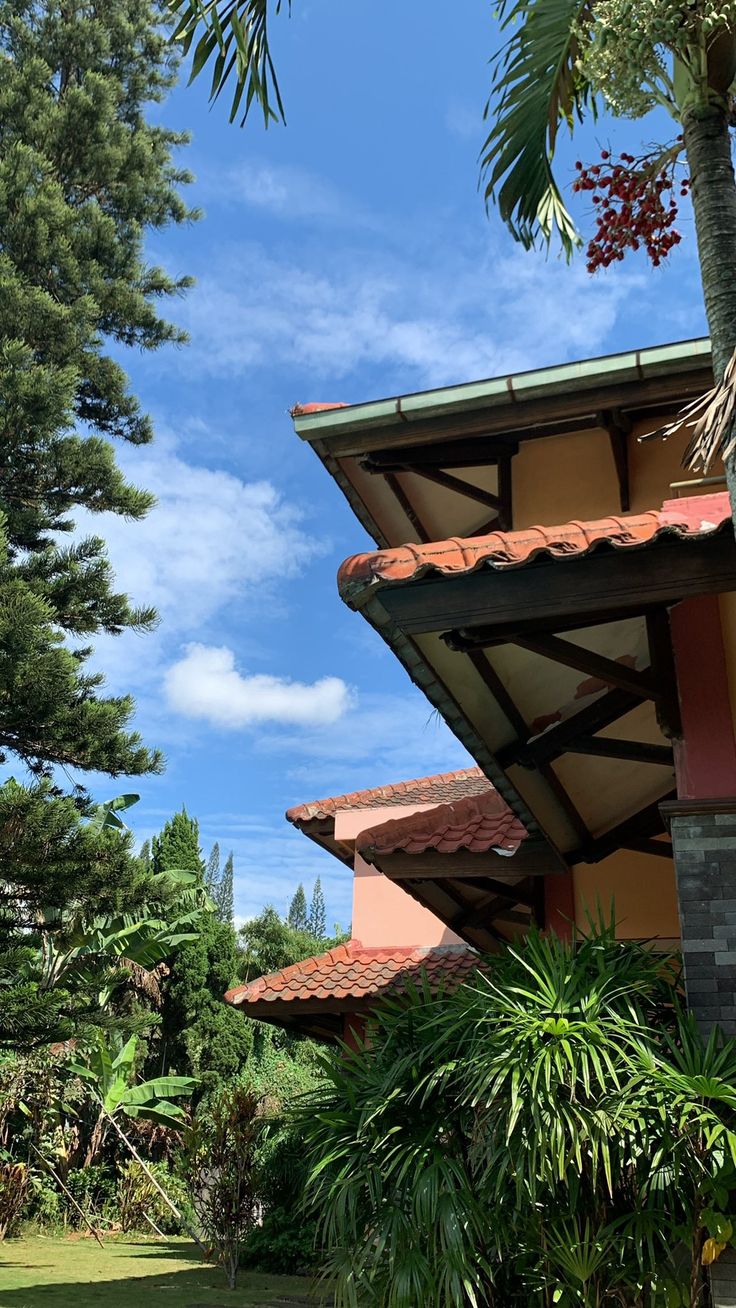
(451, 461)
(478, 625)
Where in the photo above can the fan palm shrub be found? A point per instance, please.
(554, 1133)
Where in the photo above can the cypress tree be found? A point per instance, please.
(317, 923)
(224, 894)
(212, 878)
(200, 1034)
(83, 176)
(297, 915)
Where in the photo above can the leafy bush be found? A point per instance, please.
(285, 1242)
(552, 1133)
(138, 1198)
(223, 1168)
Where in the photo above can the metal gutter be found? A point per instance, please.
(587, 374)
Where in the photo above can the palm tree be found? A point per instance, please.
(563, 60)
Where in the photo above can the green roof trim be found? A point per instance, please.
(587, 374)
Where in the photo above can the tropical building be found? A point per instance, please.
(397, 939)
(566, 602)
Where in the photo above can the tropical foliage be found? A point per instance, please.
(554, 1133)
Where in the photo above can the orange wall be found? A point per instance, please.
(642, 887)
(383, 913)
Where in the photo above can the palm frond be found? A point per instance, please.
(536, 84)
(710, 420)
(233, 33)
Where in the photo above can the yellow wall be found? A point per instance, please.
(560, 478)
(642, 887)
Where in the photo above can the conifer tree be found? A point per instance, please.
(224, 894)
(297, 915)
(200, 1034)
(317, 922)
(212, 876)
(83, 176)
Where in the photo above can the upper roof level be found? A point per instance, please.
(543, 446)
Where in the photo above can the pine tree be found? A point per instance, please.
(200, 1034)
(145, 854)
(317, 922)
(297, 915)
(83, 176)
(212, 876)
(224, 894)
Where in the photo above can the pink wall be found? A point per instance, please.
(383, 913)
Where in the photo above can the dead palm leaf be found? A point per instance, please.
(710, 420)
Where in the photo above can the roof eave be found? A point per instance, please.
(572, 378)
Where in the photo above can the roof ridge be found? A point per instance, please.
(350, 799)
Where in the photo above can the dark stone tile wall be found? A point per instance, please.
(704, 849)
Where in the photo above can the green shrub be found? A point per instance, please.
(138, 1198)
(285, 1242)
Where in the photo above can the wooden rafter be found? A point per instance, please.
(643, 825)
(459, 486)
(511, 710)
(407, 508)
(592, 664)
(634, 751)
(619, 425)
(550, 744)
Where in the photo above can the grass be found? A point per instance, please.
(41, 1272)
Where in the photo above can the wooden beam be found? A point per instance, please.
(505, 495)
(407, 508)
(604, 669)
(645, 845)
(464, 639)
(506, 703)
(618, 425)
(534, 857)
(553, 742)
(646, 823)
(635, 751)
(457, 485)
(479, 452)
(630, 580)
(665, 675)
(520, 892)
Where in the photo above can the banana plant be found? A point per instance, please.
(108, 1069)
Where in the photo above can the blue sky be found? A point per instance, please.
(344, 257)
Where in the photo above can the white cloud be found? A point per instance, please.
(284, 190)
(447, 319)
(382, 738)
(210, 540)
(210, 537)
(206, 684)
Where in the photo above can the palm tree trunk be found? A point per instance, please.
(708, 150)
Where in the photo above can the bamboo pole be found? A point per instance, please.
(69, 1195)
(132, 1149)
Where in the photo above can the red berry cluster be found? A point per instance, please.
(632, 210)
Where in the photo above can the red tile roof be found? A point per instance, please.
(301, 410)
(441, 789)
(478, 823)
(352, 972)
(697, 516)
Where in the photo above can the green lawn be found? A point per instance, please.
(131, 1273)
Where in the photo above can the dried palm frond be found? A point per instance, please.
(145, 979)
(710, 419)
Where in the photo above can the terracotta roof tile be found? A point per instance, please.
(478, 823)
(352, 971)
(441, 789)
(301, 410)
(696, 516)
